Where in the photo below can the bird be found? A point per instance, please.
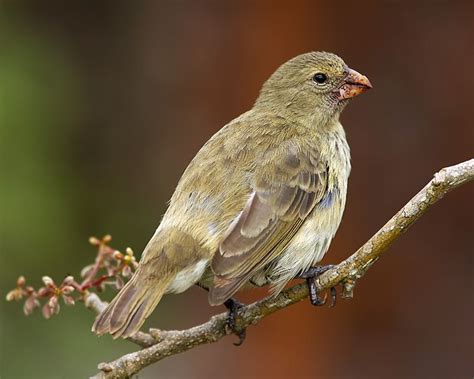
(260, 202)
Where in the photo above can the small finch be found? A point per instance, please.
(260, 202)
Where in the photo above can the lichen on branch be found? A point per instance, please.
(346, 273)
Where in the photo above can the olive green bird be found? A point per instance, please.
(260, 202)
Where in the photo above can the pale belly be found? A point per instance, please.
(308, 247)
(188, 277)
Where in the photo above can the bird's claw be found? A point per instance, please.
(315, 271)
(234, 307)
(310, 275)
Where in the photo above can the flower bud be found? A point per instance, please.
(118, 283)
(30, 304)
(86, 271)
(14, 294)
(43, 291)
(126, 271)
(94, 241)
(118, 255)
(53, 301)
(20, 282)
(68, 300)
(48, 281)
(67, 290)
(46, 310)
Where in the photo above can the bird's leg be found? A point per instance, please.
(310, 275)
(234, 306)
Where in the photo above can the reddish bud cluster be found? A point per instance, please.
(110, 268)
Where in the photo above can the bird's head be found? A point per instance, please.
(313, 87)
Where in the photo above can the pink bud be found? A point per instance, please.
(53, 304)
(67, 290)
(94, 241)
(46, 310)
(126, 271)
(20, 282)
(48, 281)
(118, 283)
(30, 289)
(14, 294)
(43, 291)
(30, 304)
(118, 255)
(53, 300)
(86, 271)
(11, 295)
(68, 300)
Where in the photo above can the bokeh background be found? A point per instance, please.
(103, 104)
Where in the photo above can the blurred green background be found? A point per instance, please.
(103, 104)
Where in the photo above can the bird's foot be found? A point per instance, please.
(310, 275)
(234, 307)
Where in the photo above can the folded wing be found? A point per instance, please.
(285, 192)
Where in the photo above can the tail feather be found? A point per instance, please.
(127, 312)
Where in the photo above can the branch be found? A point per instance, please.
(162, 344)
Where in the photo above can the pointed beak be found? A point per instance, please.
(354, 84)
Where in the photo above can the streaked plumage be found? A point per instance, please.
(259, 203)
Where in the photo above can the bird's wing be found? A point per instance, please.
(285, 192)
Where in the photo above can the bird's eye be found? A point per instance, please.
(320, 78)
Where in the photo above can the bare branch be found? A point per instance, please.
(162, 344)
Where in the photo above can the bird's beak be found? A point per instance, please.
(354, 84)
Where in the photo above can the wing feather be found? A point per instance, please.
(285, 192)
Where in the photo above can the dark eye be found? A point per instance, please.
(320, 78)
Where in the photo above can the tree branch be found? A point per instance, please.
(161, 344)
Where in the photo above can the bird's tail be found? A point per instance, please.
(127, 312)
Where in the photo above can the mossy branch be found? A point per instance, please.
(158, 344)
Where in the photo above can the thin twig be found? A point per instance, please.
(162, 344)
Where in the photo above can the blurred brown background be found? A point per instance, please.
(103, 104)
